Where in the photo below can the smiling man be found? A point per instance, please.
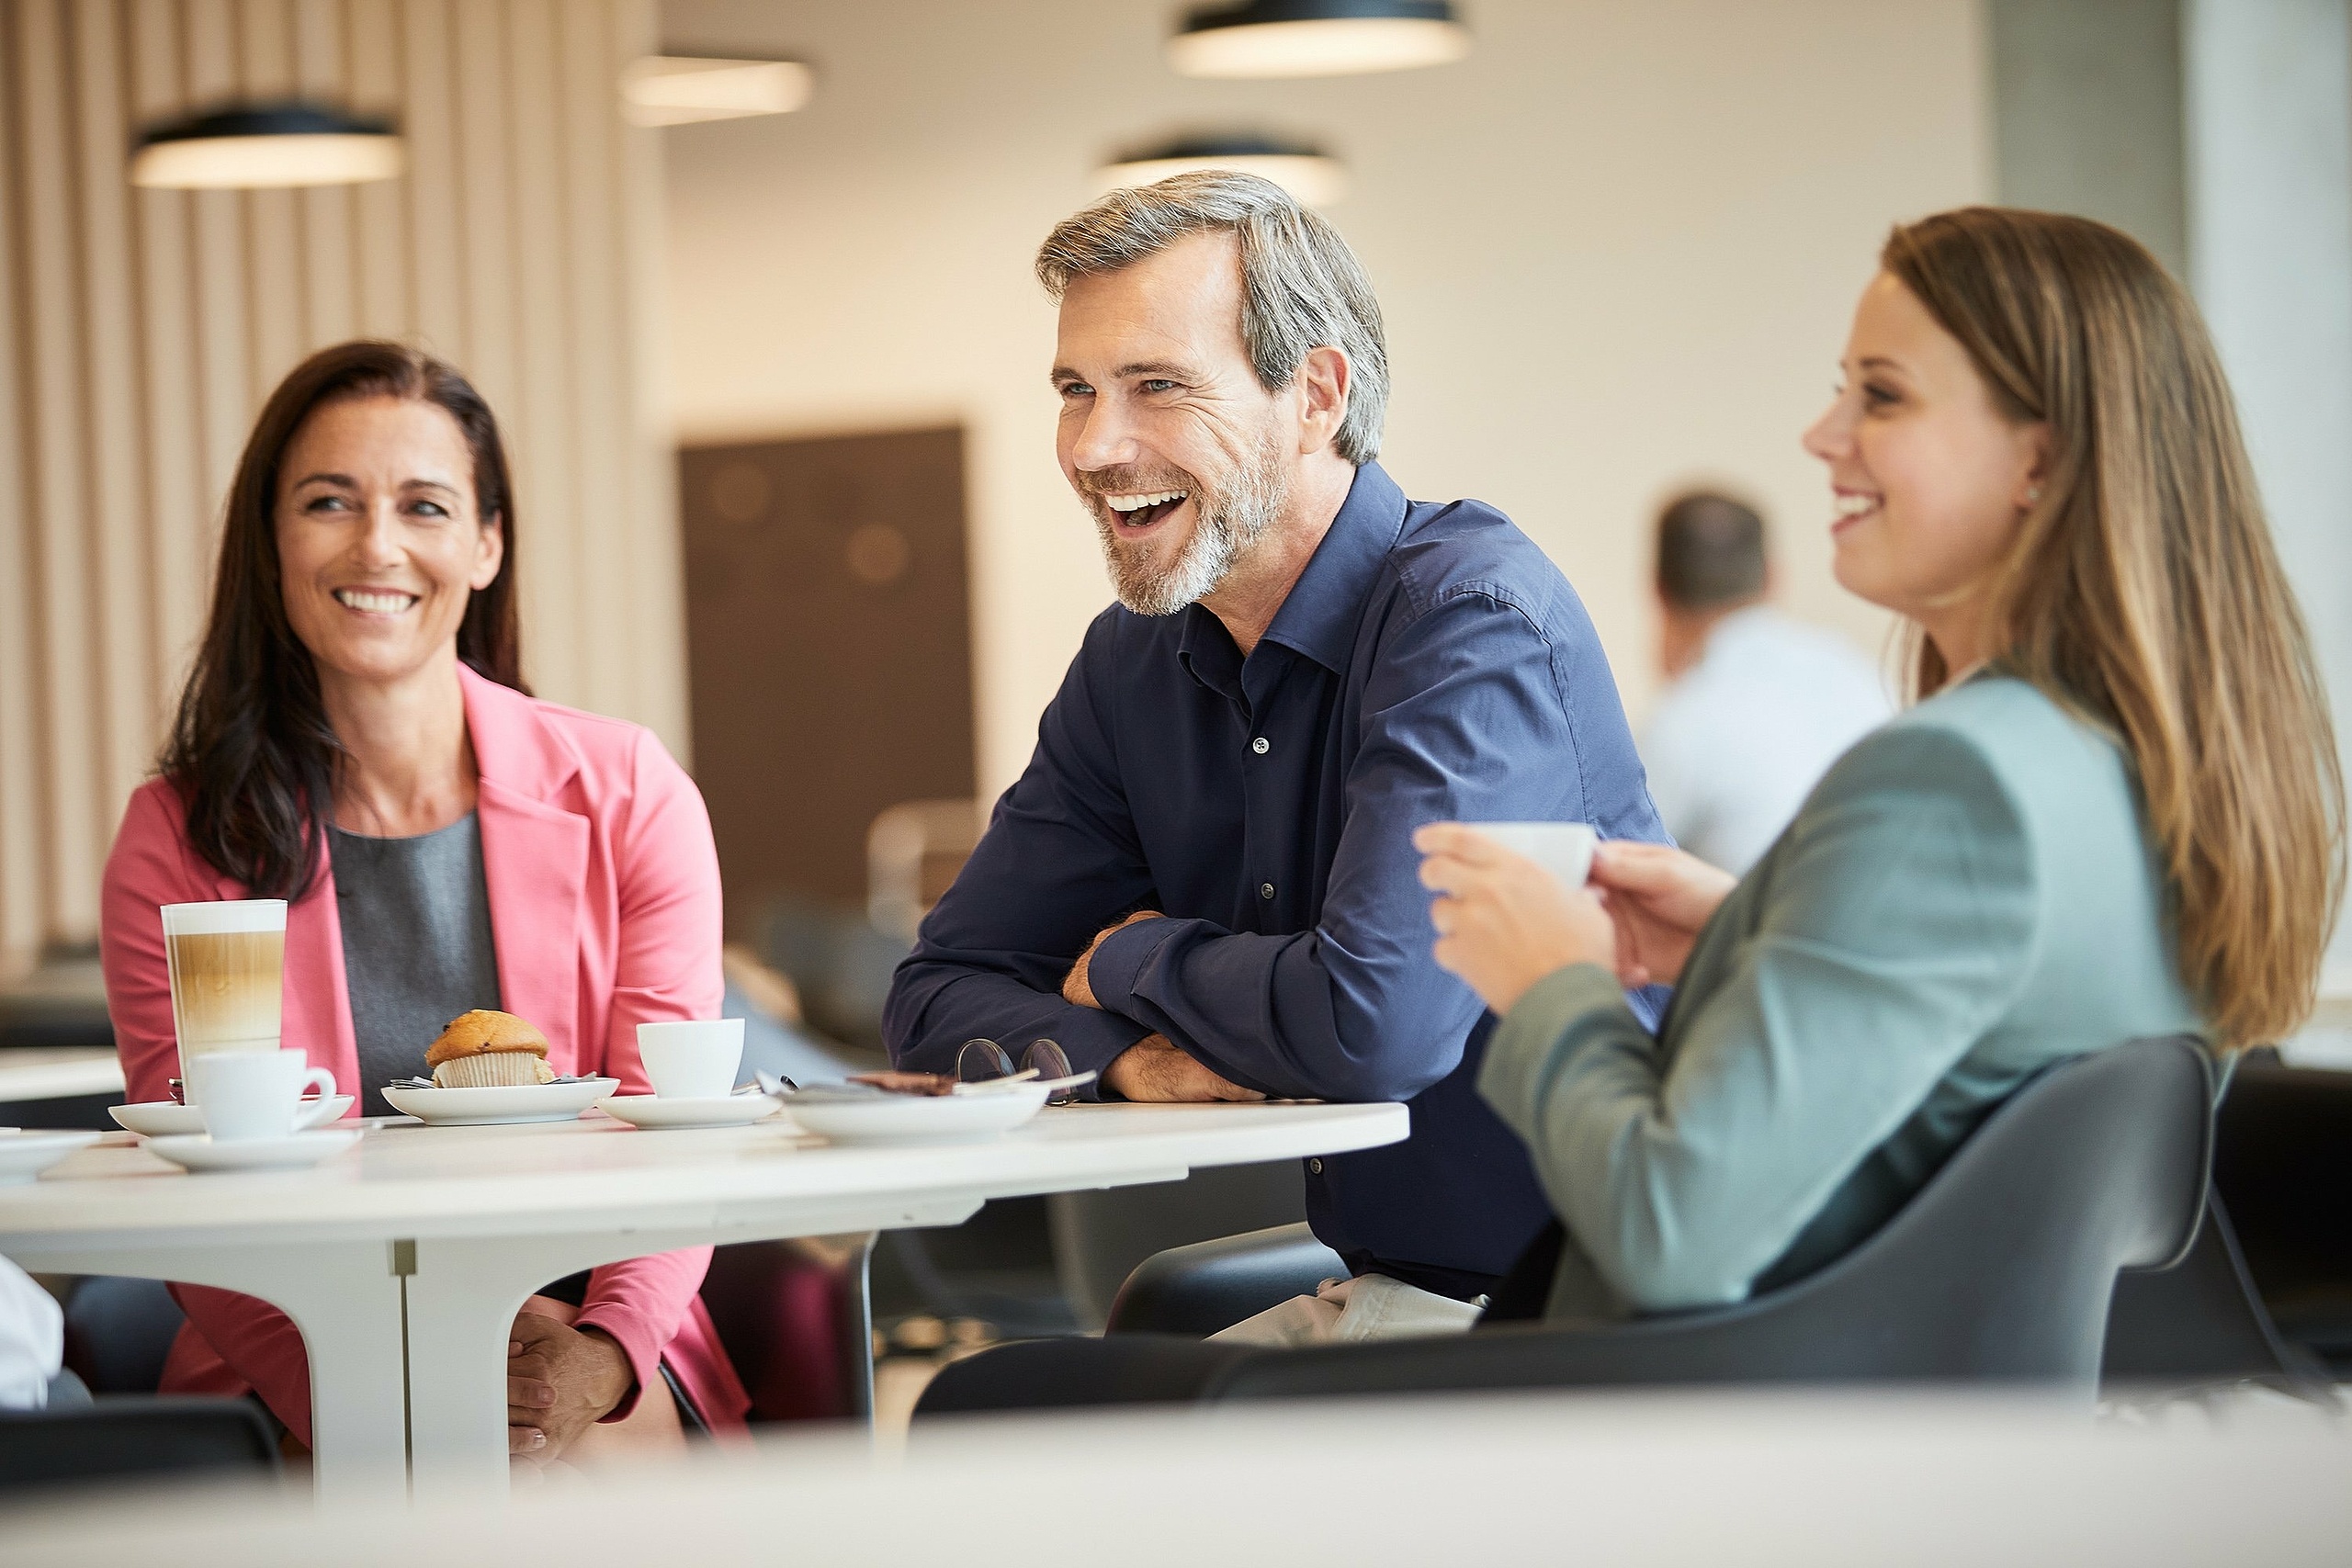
(1204, 884)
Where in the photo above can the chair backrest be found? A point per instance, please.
(133, 1439)
(2001, 1268)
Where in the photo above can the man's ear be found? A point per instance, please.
(1323, 380)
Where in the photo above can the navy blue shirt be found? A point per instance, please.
(1432, 664)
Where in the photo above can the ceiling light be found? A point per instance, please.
(258, 146)
(1310, 174)
(1317, 37)
(677, 89)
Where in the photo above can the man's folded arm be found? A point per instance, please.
(1474, 715)
(1059, 852)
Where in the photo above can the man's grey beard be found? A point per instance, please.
(1225, 525)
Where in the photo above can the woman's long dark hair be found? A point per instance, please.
(251, 751)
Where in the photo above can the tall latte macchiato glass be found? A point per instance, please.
(228, 969)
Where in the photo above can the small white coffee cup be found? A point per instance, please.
(1563, 849)
(245, 1095)
(694, 1059)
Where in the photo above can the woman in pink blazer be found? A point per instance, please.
(358, 699)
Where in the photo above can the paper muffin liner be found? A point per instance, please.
(493, 1070)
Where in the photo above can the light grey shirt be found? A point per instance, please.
(1736, 745)
(1969, 897)
(416, 945)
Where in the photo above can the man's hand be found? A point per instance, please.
(1077, 993)
(559, 1380)
(1153, 1068)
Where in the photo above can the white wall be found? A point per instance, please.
(2270, 252)
(1617, 249)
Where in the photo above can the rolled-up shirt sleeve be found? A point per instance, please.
(1060, 858)
(1472, 717)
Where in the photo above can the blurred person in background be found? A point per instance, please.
(1202, 886)
(1757, 705)
(356, 737)
(2115, 811)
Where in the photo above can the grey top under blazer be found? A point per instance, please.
(1968, 896)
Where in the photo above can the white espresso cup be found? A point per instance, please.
(1563, 849)
(245, 1095)
(695, 1059)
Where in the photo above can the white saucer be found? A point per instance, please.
(25, 1155)
(650, 1111)
(915, 1118)
(197, 1151)
(167, 1118)
(486, 1107)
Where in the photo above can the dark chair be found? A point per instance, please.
(133, 1439)
(796, 1319)
(2282, 1161)
(1101, 1238)
(119, 1331)
(1210, 1285)
(2200, 1325)
(2000, 1269)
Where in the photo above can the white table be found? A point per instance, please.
(403, 1261)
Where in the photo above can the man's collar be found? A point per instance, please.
(1319, 617)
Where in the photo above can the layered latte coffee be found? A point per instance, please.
(228, 969)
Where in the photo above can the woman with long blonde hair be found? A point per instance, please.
(2116, 810)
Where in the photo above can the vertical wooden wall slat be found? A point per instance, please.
(331, 308)
(542, 420)
(386, 302)
(180, 508)
(53, 410)
(22, 820)
(209, 36)
(121, 613)
(436, 257)
(602, 429)
(273, 235)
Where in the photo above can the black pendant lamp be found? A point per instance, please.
(265, 146)
(1317, 37)
(1311, 175)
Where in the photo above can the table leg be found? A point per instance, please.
(465, 1291)
(345, 1300)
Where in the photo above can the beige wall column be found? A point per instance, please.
(140, 331)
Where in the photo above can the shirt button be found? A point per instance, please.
(1262, 746)
(1316, 1165)
(1265, 890)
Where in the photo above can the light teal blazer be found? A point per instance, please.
(1968, 896)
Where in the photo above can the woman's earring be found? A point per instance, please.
(2033, 495)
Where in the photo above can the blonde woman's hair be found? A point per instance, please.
(2144, 589)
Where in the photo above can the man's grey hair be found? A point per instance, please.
(1302, 289)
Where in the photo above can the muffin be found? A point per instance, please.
(489, 1050)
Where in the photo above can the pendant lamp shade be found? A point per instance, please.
(262, 146)
(1317, 37)
(1312, 176)
(675, 89)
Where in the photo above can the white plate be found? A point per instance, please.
(24, 1156)
(197, 1151)
(916, 1118)
(166, 1118)
(651, 1111)
(514, 1102)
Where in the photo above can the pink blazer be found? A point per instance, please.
(604, 913)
